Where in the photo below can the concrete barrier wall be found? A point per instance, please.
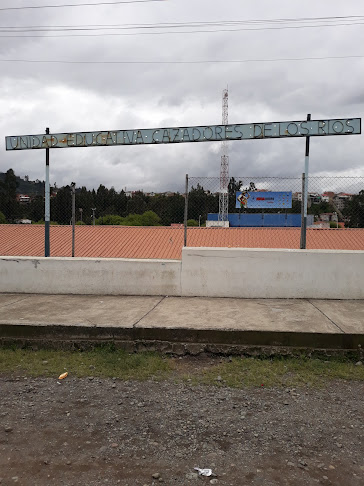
(261, 273)
(206, 272)
(90, 276)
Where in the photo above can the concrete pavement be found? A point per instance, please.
(182, 324)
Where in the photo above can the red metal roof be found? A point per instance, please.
(163, 242)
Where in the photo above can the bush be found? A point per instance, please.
(192, 222)
(2, 218)
(41, 221)
(149, 218)
(132, 220)
(334, 224)
(112, 219)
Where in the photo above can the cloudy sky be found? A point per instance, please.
(88, 97)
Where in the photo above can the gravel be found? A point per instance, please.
(146, 433)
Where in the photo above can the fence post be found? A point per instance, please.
(305, 192)
(47, 206)
(186, 212)
(73, 190)
(303, 226)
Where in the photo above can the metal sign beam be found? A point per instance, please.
(212, 133)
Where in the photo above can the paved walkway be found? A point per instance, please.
(313, 323)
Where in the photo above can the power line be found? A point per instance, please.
(78, 4)
(164, 25)
(233, 61)
(168, 32)
(218, 22)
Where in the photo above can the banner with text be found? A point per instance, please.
(263, 200)
(212, 133)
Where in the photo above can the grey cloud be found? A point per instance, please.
(71, 97)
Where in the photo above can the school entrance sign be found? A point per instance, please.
(211, 133)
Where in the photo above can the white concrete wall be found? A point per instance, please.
(208, 272)
(106, 276)
(261, 273)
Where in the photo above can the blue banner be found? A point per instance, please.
(263, 200)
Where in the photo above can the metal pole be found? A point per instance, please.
(305, 194)
(73, 216)
(303, 232)
(186, 211)
(93, 215)
(47, 205)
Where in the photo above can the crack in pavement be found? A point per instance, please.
(327, 317)
(14, 302)
(152, 309)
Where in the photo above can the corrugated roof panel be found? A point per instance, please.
(163, 242)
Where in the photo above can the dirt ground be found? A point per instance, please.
(99, 431)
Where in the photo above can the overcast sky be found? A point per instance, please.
(87, 97)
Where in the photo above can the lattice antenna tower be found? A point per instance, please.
(224, 167)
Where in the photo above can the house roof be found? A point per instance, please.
(163, 242)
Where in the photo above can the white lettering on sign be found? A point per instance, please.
(210, 133)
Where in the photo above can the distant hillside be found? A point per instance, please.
(26, 187)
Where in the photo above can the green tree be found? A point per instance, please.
(169, 208)
(36, 208)
(354, 211)
(9, 205)
(137, 204)
(2, 218)
(61, 206)
(201, 202)
(85, 201)
(104, 202)
(322, 207)
(233, 188)
(121, 202)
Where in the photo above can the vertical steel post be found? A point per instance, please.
(73, 216)
(186, 212)
(303, 232)
(305, 192)
(47, 205)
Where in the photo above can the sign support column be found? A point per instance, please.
(47, 209)
(186, 213)
(305, 193)
(73, 191)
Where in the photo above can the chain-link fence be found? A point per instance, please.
(100, 222)
(104, 222)
(266, 212)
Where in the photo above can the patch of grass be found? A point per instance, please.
(106, 361)
(103, 362)
(292, 372)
